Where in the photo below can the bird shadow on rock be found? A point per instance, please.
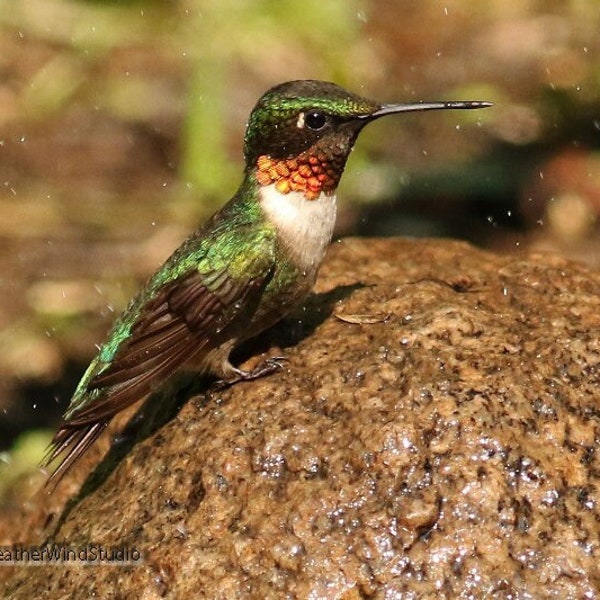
(297, 326)
(164, 404)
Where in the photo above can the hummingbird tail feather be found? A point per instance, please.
(71, 442)
(125, 387)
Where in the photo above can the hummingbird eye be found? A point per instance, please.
(315, 120)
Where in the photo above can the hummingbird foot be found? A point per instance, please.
(270, 365)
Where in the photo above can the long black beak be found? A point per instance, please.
(390, 109)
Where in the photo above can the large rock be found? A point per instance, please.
(434, 435)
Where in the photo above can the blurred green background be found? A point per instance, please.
(121, 129)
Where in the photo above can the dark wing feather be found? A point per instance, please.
(176, 325)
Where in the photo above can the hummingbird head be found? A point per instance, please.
(300, 133)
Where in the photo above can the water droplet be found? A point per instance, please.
(550, 497)
(407, 444)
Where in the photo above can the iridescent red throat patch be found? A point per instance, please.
(308, 174)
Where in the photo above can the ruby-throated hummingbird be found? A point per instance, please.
(244, 269)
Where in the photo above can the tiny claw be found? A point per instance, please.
(221, 384)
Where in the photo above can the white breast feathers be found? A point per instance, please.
(305, 226)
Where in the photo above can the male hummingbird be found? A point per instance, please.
(247, 267)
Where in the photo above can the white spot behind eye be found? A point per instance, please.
(300, 122)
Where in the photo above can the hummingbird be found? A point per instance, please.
(242, 271)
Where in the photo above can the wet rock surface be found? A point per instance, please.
(434, 432)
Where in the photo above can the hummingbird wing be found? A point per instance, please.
(157, 336)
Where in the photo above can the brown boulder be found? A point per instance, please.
(435, 433)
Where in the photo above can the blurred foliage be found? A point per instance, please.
(17, 466)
